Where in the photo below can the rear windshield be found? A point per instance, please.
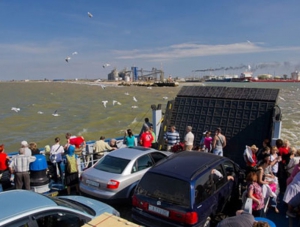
(112, 164)
(165, 188)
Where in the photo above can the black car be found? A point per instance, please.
(186, 189)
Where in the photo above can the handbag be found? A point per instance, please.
(53, 157)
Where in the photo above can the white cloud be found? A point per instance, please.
(187, 50)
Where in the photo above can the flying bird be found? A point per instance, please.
(55, 114)
(40, 112)
(15, 109)
(105, 65)
(134, 107)
(102, 86)
(134, 99)
(74, 53)
(90, 15)
(104, 103)
(165, 97)
(116, 102)
(68, 59)
(281, 98)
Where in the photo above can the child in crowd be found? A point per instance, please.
(274, 160)
(294, 160)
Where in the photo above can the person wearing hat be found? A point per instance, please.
(20, 167)
(71, 170)
(27, 151)
(250, 155)
(219, 142)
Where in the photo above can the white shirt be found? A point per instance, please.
(189, 138)
(58, 150)
(275, 166)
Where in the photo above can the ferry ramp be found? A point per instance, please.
(245, 115)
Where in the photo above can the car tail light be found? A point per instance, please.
(113, 184)
(191, 218)
(187, 218)
(138, 203)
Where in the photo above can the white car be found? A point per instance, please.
(114, 177)
(30, 209)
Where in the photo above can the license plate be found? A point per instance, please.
(158, 210)
(92, 183)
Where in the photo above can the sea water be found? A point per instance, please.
(81, 111)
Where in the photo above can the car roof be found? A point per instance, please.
(22, 201)
(130, 152)
(186, 164)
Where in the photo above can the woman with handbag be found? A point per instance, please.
(56, 153)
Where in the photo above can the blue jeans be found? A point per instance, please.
(218, 152)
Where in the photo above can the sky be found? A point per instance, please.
(184, 38)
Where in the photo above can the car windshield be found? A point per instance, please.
(73, 205)
(166, 188)
(112, 164)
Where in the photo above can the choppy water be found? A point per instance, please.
(81, 111)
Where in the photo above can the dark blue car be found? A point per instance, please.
(186, 189)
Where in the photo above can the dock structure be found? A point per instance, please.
(245, 115)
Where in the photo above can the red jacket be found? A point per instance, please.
(76, 141)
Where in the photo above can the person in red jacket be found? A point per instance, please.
(3, 159)
(146, 138)
(77, 141)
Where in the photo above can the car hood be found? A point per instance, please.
(97, 206)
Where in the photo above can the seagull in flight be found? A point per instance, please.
(40, 112)
(55, 114)
(116, 102)
(105, 65)
(281, 98)
(68, 59)
(134, 99)
(102, 86)
(90, 15)
(15, 109)
(134, 107)
(104, 103)
(74, 53)
(165, 97)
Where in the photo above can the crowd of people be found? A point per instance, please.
(272, 170)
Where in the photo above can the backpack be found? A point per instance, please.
(71, 164)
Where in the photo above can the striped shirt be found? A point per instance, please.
(172, 137)
(20, 163)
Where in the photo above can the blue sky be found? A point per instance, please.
(178, 36)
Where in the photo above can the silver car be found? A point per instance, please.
(27, 208)
(114, 177)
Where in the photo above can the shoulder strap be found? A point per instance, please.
(58, 148)
(220, 139)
